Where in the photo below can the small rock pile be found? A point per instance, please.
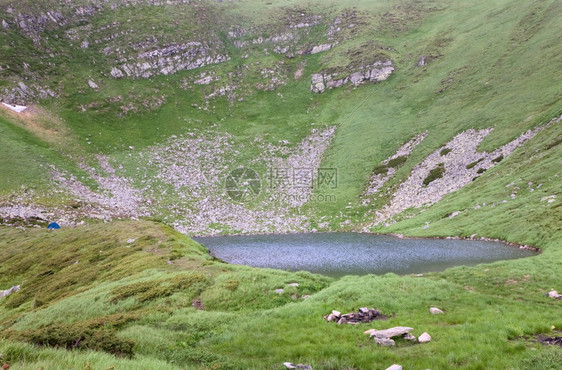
(363, 315)
(551, 341)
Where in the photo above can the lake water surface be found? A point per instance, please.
(338, 254)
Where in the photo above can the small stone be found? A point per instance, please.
(342, 321)
(336, 313)
(424, 338)
(409, 337)
(279, 291)
(394, 367)
(293, 284)
(289, 365)
(92, 84)
(435, 311)
(129, 241)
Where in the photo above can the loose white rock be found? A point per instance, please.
(424, 338)
(435, 311)
(394, 367)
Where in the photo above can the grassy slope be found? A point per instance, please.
(245, 324)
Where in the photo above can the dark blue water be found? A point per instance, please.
(338, 254)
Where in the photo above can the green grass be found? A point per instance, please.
(488, 309)
(434, 174)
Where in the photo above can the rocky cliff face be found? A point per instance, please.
(142, 39)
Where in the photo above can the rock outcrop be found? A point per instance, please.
(376, 72)
(169, 60)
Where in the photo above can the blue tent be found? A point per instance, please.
(53, 226)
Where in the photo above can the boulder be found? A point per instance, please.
(394, 367)
(392, 332)
(424, 338)
(435, 311)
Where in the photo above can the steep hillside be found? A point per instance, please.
(122, 93)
